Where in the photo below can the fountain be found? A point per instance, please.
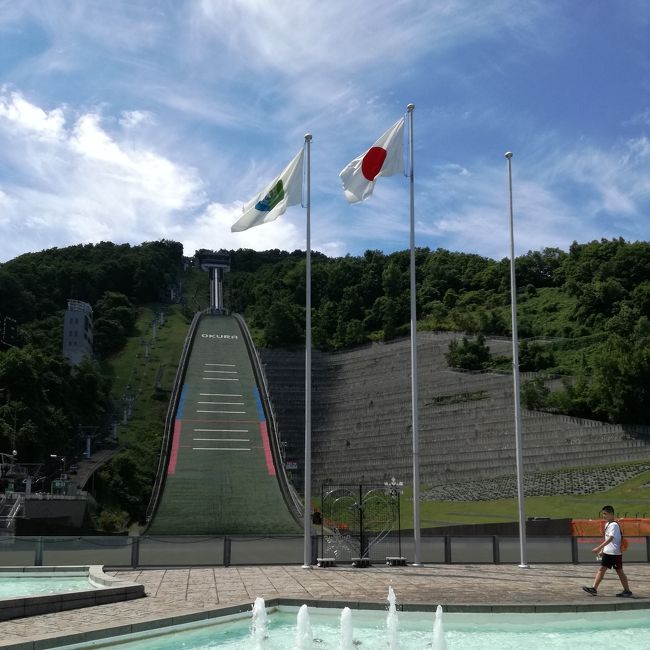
(259, 623)
(439, 642)
(392, 621)
(327, 629)
(304, 636)
(347, 642)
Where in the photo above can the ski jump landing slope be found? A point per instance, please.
(220, 478)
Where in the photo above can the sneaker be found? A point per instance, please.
(626, 593)
(590, 590)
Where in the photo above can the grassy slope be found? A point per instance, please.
(631, 497)
(137, 375)
(130, 369)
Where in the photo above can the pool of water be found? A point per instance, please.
(20, 587)
(606, 630)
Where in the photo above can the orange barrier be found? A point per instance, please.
(630, 526)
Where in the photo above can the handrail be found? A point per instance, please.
(15, 509)
(170, 417)
(288, 492)
(9, 518)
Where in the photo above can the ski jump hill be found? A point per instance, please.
(220, 472)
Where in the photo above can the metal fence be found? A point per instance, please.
(150, 552)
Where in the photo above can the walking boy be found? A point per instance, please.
(611, 554)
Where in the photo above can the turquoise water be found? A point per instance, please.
(40, 586)
(593, 631)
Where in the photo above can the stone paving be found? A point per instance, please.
(173, 592)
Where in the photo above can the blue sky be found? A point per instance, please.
(136, 120)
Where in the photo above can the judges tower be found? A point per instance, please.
(216, 263)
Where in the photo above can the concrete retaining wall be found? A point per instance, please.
(361, 418)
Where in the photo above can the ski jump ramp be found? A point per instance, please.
(222, 473)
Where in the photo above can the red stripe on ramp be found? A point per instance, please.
(270, 467)
(171, 468)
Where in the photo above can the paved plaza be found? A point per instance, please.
(175, 592)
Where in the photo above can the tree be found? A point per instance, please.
(284, 324)
(534, 357)
(115, 317)
(534, 394)
(469, 355)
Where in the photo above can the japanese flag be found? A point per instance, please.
(384, 158)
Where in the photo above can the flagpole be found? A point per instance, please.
(307, 513)
(515, 377)
(414, 364)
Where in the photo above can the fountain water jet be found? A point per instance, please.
(346, 629)
(439, 642)
(259, 622)
(392, 621)
(304, 635)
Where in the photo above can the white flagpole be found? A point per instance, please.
(414, 364)
(515, 376)
(307, 514)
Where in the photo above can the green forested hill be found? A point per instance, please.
(43, 401)
(590, 305)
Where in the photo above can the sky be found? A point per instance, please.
(137, 120)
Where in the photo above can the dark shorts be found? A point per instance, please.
(612, 561)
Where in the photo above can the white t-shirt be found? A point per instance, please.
(613, 530)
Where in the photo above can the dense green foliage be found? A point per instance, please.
(46, 405)
(469, 355)
(36, 285)
(45, 402)
(592, 302)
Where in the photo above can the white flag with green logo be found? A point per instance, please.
(275, 198)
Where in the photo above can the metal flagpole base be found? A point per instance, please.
(307, 566)
(524, 566)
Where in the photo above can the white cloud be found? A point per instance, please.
(86, 184)
(33, 119)
(134, 118)
(639, 149)
(580, 193)
(641, 118)
(337, 37)
(616, 180)
(211, 229)
(320, 60)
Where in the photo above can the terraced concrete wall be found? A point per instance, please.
(361, 418)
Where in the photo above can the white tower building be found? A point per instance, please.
(77, 332)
